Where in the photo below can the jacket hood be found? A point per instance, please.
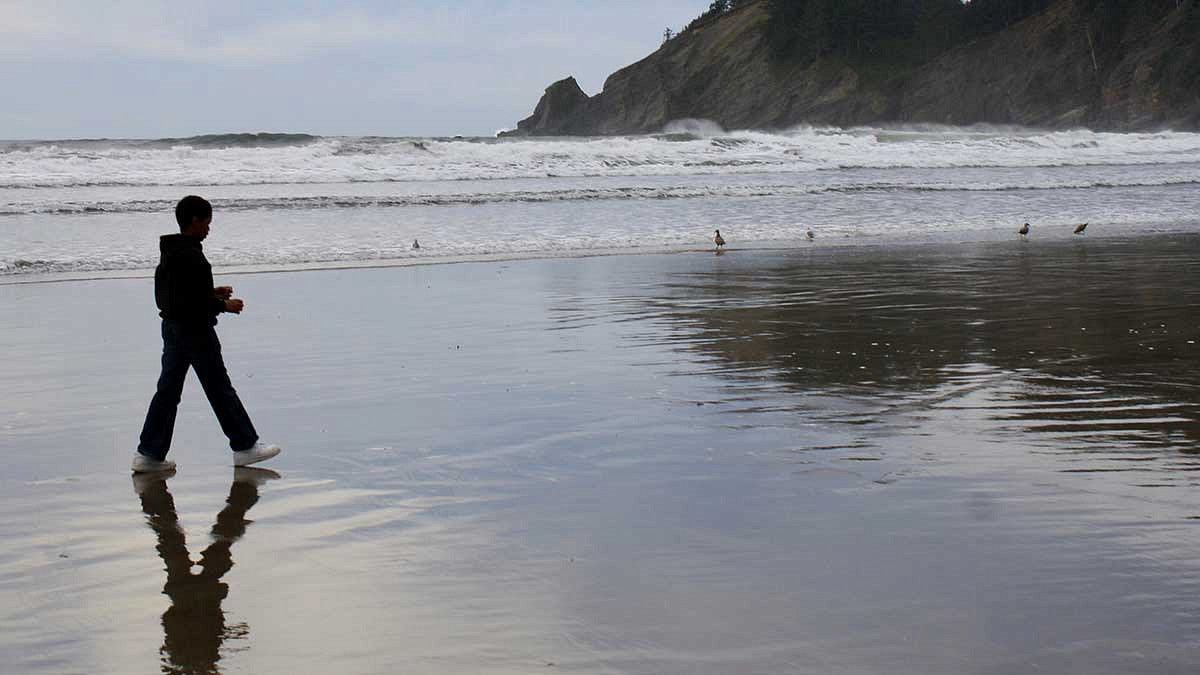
(174, 243)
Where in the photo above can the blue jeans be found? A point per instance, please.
(189, 346)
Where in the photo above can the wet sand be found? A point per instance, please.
(936, 459)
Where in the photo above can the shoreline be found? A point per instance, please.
(770, 246)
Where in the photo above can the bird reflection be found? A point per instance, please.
(194, 625)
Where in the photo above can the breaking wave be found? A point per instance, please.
(689, 147)
(81, 206)
(243, 140)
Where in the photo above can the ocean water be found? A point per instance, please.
(81, 207)
(972, 455)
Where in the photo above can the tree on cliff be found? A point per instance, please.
(940, 26)
(715, 10)
(808, 29)
(989, 16)
(906, 29)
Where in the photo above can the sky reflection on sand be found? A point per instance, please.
(926, 460)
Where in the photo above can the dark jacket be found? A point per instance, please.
(183, 283)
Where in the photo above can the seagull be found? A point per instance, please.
(1024, 230)
(719, 240)
(416, 244)
(1080, 228)
(810, 235)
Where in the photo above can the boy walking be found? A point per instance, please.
(189, 304)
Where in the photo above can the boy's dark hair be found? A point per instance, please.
(189, 208)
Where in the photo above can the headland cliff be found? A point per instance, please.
(1067, 65)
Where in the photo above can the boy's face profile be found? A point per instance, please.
(199, 228)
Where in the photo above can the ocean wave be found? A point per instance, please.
(238, 140)
(579, 194)
(683, 149)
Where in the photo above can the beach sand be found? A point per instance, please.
(937, 459)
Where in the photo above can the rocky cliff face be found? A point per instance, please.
(1049, 71)
(1046, 71)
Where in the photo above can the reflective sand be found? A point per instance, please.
(955, 459)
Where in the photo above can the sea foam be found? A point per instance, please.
(241, 159)
(287, 200)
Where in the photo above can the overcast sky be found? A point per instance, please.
(154, 68)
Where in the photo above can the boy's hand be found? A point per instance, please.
(223, 292)
(234, 305)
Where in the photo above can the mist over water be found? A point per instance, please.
(296, 199)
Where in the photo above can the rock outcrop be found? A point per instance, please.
(563, 102)
(1046, 71)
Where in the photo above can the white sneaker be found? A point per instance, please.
(261, 451)
(144, 464)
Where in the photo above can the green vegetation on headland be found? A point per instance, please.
(906, 31)
(1106, 64)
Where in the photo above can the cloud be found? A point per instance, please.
(324, 66)
(148, 29)
(303, 37)
(223, 31)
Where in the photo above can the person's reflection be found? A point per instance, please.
(194, 624)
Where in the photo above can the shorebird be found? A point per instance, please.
(1024, 230)
(1080, 228)
(719, 240)
(810, 235)
(416, 244)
